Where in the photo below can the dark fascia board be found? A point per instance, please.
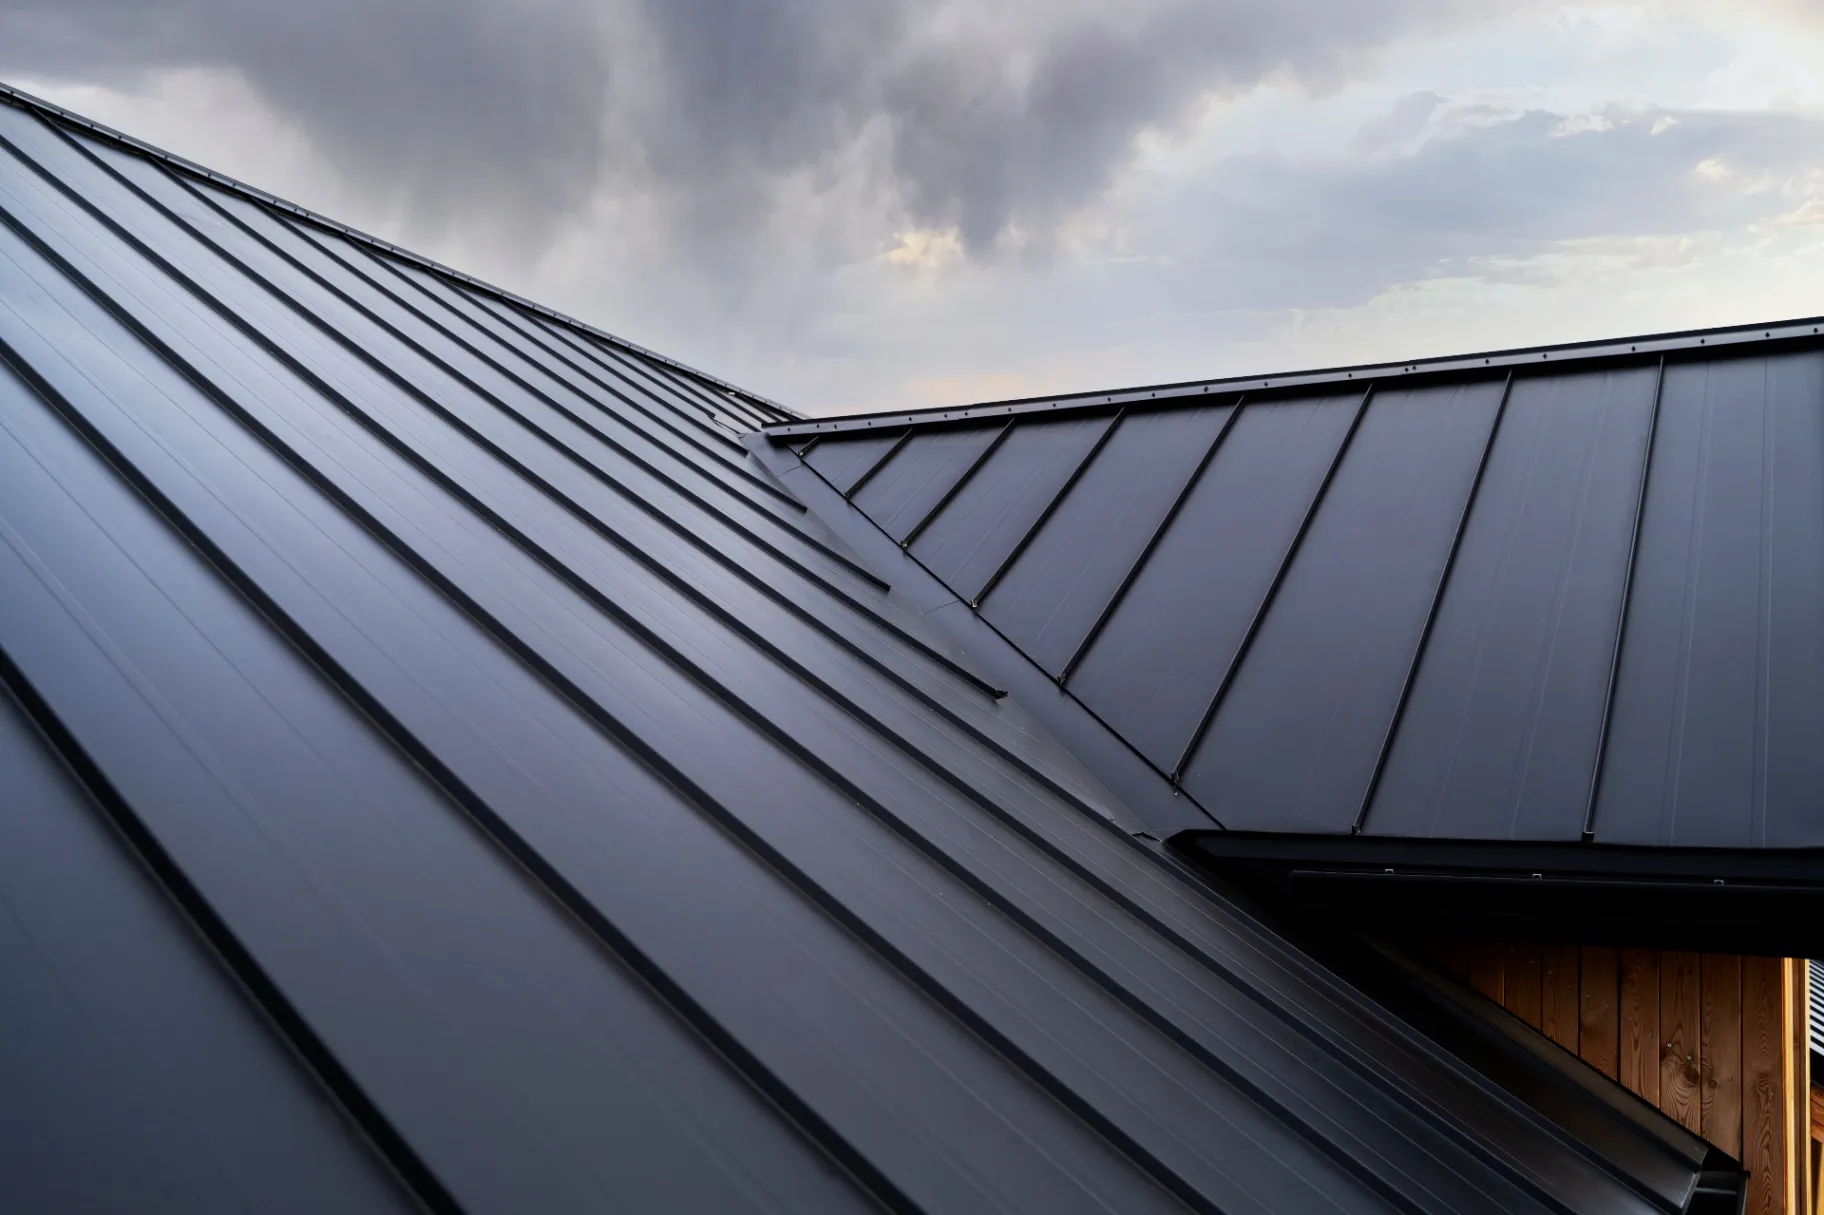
(51, 110)
(1719, 900)
(1570, 859)
(1578, 356)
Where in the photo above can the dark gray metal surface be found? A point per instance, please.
(1500, 734)
(1294, 741)
(1719, 704)
(443, 771)
(129, 1061)
(1068, 575)
(1601, 620)
(907, 490)
(977, 528)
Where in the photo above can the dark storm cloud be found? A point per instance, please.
(449, 107)
(988, 119)
(982, 147)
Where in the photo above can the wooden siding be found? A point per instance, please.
(1717, 1042)
(1816, 1172)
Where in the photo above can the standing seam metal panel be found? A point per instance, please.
(980, 526)
(1048, 600)
(1294, 743)
(1710, 733)
(1151, 671)
(319, 801)
(622, 810)
(832, 907)
(120, 1032)
(1501, 732)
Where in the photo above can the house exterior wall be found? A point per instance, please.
(1715, 1041)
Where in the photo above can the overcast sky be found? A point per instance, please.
(858, 204)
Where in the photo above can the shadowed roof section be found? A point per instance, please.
(448, 772)
(1563, 605)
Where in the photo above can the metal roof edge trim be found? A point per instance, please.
(1388, 854)
(1572, 354)
(26, 101)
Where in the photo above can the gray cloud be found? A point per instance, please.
(1265, 232)
(1406, 120)
(985, 140)
(525, 111)
(986, 123)
(458, 109)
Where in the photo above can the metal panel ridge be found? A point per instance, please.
(27, 101)
(1762, 337)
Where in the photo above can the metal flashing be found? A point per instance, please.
(1806, 332)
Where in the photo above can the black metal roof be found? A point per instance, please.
(444, 770)
(1569, 600)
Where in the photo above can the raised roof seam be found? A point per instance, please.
(1621, 619)
(38, 105)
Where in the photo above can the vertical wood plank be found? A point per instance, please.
(1520, 983)
(1763, 1101)
(1815, 1123)
(1638, 1005)
(1798, 1082)
(1485, 967)
(1681, 1054)
(1558, 979)
(1720, 1040)
(1598, 1031)
(1817, 1170)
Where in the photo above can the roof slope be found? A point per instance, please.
(455, 775)
(1551, 597)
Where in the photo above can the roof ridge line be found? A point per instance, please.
(27, 101)
(1643, 348)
